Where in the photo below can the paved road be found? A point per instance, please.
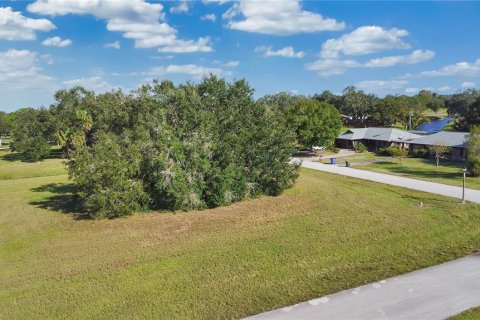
(433, 293)
(420, 185)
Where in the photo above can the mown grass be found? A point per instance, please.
(449, 172)
(326, 234)
(13, 166)
(471, 314)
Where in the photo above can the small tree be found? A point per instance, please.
(401, 153)
(439, 149)
(473, 154)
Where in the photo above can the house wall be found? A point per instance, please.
(344, 144)
(456, 154)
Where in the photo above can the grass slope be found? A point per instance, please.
(326, 234)
(472, 314)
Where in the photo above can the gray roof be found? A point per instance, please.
(450, 139)
(380, 134)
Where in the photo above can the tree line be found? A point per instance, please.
(195, 146)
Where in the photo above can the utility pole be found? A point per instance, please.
(410, 114)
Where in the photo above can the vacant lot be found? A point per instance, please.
(326, 234)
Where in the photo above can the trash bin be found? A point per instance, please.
(333, 160)
(347, 164)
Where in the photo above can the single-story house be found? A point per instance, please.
(374, 138)
(456, 141)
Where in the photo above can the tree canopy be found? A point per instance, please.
(182, 147)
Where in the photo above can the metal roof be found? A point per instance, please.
(448, 138)
(379, 134)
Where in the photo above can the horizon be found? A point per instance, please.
(299, 47)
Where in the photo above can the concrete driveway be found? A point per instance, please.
(415, 184)
(432, 293)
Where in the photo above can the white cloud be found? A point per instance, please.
(19, 70)
(287, 52)
(57, 42)
(365, 40)
(381, 85)
(279, 18)
(193, 70)
(209, 17)
(95, 83)
(411, 90)
(469, 84)
(182, 7)
(216, 1)
(416, 56)
(112, 45)
(161, 57)
(46, 58)
(136, 19)
(330, 67)
(231, 64)
(444, 89)
(15, 26)
(184, 46)
(468, 69)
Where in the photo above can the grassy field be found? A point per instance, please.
(449, 172)
(326, 234)
(472, 314)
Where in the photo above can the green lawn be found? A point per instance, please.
(449, 172)
(12, 166)
(326, 234)
(472, 314)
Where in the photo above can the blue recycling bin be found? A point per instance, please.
(333, 160)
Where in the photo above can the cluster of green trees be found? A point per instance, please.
(194, 146)
(363, 109)
(465, 107)
(173, 147)
(162, 146)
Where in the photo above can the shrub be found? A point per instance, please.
(391, 151)
(473, 166)
(107, 176)
(361, 148)
(473, 153)
(381, 151)
(334, 149)
(31, 131)
(420, 153)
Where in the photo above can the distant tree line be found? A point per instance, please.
(195, 146)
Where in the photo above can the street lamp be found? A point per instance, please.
(464, 170)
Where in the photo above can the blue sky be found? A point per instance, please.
(304, 47)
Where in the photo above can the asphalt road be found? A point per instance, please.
(415, 184)
(432, 293)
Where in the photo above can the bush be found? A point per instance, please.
(334, 149)
(473, 152)
(391, 151)
(31, 131)
(37, 148)
(107, 177)
(361, 148)
(381, 151)
(473, 166)
(420, 153)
